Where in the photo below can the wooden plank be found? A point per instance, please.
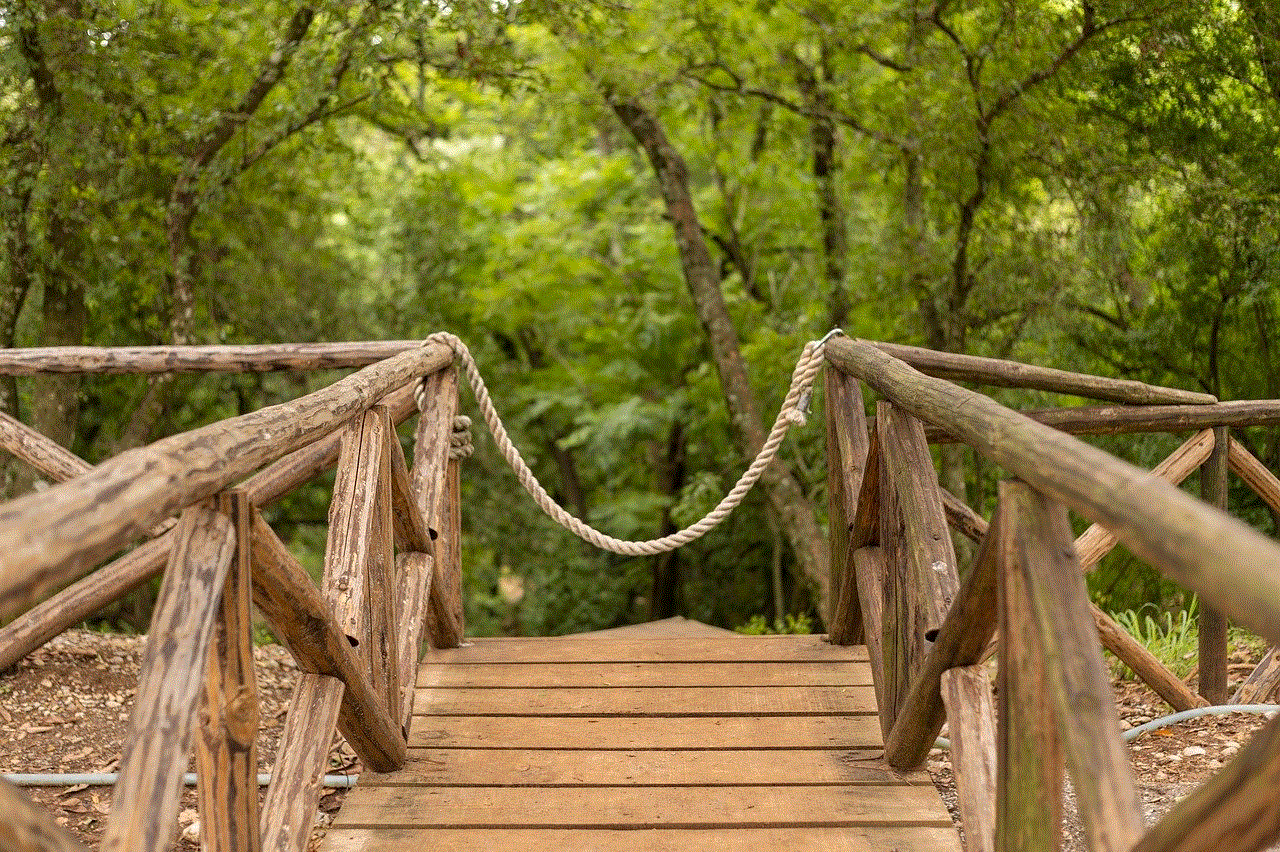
(1128, 419)
(53, 537)
(1097, 541)
(847, 446)
(198, 359)
(967, 695)
(644, 807)
(226, 756)
(429, 480)
(648, 701)
(1079, 685)
(27, 827)
(1255, 474)
(603, 768)
(1234, 811)
(415, 571)
(729, 649)
(1013, 374)
(158, 740)
(675, 627)
(869, 572)
(302, 756)
(808, 839)
(382, 598)
(1028, 753)
(587, 675)
(920, 562)
(622, 733)
(1212, 624)
(1220, 558)
(961, 641)
(351, 550)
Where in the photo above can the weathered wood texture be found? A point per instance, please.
(806, 839)
(668, 779)
(156, 746)
(967, 694)
(1220, 558)
(1079, 688)
(1029, 764)
(1254, 474)
(430, 485)
(595, 675)
(1124, 419)
(112, 581)
(961, 641)
(1211, 623)
(415, 572)
(1236, 810)
(27, 827)
(1012, 374)
(962, 518)
(226, 757)
(920, 563)
(301, 619)
(1097, 541)
(51, 538)
(869, 571)
(1114, 637)
(382, 597)
(46, 456)
(198, 359)
(1263, 683)
(846, 463)
(358, 517)
(864, 594)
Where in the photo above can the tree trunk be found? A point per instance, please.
(703, 280)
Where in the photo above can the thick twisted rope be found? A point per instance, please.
(792, 413)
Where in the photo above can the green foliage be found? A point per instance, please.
(1171, 637)
(759, 626)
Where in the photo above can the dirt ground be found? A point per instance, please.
(65, 708)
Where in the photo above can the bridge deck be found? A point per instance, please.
(645, 741)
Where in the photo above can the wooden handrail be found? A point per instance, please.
(258, 358)
(1126, 419)
(1223, 560)
(50, 538)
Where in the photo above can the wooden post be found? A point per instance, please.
(156, 746)
(1254, 474)
(847, 449)
(1079, 688)
(1028, 752)
(1234, 811)
(869, 572)
(1212, 623)
(382, 610)
(967, 694)
(919, 560)
(27, 827)
(430, 486)
(226, 757)
(863, 595)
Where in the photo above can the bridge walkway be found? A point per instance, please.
(670, 736)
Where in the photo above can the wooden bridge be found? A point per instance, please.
(668, 736)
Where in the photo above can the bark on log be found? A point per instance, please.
(45, 455)
(1236, 810)
(158, 741)
(382, 609)
(415, 571)
(966, 692)
(53, 537)
(1124, 419)
(27, 827)
(1079, 686)
(1254, 473)
(847, 448)
(1263, 682)
(919, 560)
(113, 581)
(869, 571)
(1220, 558)
(1013, 374)
(961, 641)
(430, 487)
(199, 359)
(1212, 624)
(226, 754)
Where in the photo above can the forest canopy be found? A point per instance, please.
(635, 214)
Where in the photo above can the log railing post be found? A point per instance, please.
(1212, 623)
(226, 757)
(430, 480)
(846, 464)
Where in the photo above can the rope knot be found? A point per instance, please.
(460, 446)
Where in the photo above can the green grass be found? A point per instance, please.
(1174, 638)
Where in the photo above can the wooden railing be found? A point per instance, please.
(391, 574)
(927, 627)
